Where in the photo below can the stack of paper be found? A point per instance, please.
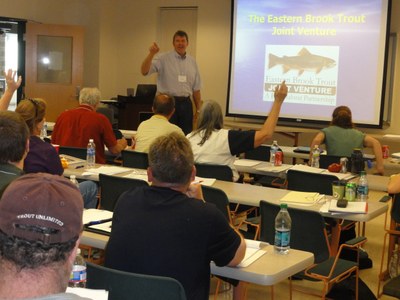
(253, 252)
(302, 198)
(304, 168)
(108, 170)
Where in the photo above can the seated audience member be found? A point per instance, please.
(212, 144)
(14, 145)
(12, 86)
(75, 127)
(185, 233)
(340, 138)
(42, 156)
(163, 108)
(40, 226)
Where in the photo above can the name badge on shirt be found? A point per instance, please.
(181, 78)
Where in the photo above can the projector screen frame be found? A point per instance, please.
(309, 122)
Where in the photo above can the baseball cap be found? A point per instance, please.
(41, 207)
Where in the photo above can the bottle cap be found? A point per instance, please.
(72, 176)
(283, 205)
(90, 140)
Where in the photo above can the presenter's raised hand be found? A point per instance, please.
(154, 48)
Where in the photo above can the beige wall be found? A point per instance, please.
(119, 32)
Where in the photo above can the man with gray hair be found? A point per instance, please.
(75, 127)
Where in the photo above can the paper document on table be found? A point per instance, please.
(89, 293)
(274, 169)
(204, 181)
(102, 226)
(305, 168)
(138, 174)
(253, 252)
(247, 162)
(341, 176)
(93, 215)
(353, 207)
(108, 170)
(304, 198)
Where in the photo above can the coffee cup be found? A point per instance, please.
(57, 147)
(338, 187)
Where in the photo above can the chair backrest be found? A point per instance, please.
(307, 233)
(135, 159)
(220, 172)
(73, 151)
(126, 286)
(260, 153)
(326, 160)
(111, 187)
(219, 198)
(309, 182)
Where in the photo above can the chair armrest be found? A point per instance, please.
(355, 242)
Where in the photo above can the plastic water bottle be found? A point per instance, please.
(315, 157)
(283, 225)
(274, 148)
(72, 178)
(43, 131)
(91, 154)
(78, 272)
(362, 187)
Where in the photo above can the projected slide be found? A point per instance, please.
(330, 53)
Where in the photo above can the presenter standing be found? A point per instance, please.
(178, 76)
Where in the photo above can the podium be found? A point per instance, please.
(130, 110)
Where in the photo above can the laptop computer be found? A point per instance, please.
(146, 90)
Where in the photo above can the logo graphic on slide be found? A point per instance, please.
(311, 78)
(303, 61)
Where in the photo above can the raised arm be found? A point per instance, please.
(373, 143)
(12, 86)
(268, 128)
(146, 64)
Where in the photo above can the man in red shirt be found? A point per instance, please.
(75, 127)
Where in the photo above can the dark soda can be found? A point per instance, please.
(278, 158)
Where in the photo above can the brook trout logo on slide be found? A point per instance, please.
(304, 61)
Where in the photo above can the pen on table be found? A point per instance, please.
(99, 221)
(78, 167)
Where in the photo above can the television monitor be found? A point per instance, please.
(330, 53)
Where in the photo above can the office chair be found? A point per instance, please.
(220, 200)
(220, 172)
(111, 187)
(126, 286)
(392, 233)
(308, 233)
(134, 159)
(73, 151)
(223, 172)
(262, 153)
(326, 160)
(319, 183)
(309, 182)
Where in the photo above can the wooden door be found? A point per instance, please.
(54, 65)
